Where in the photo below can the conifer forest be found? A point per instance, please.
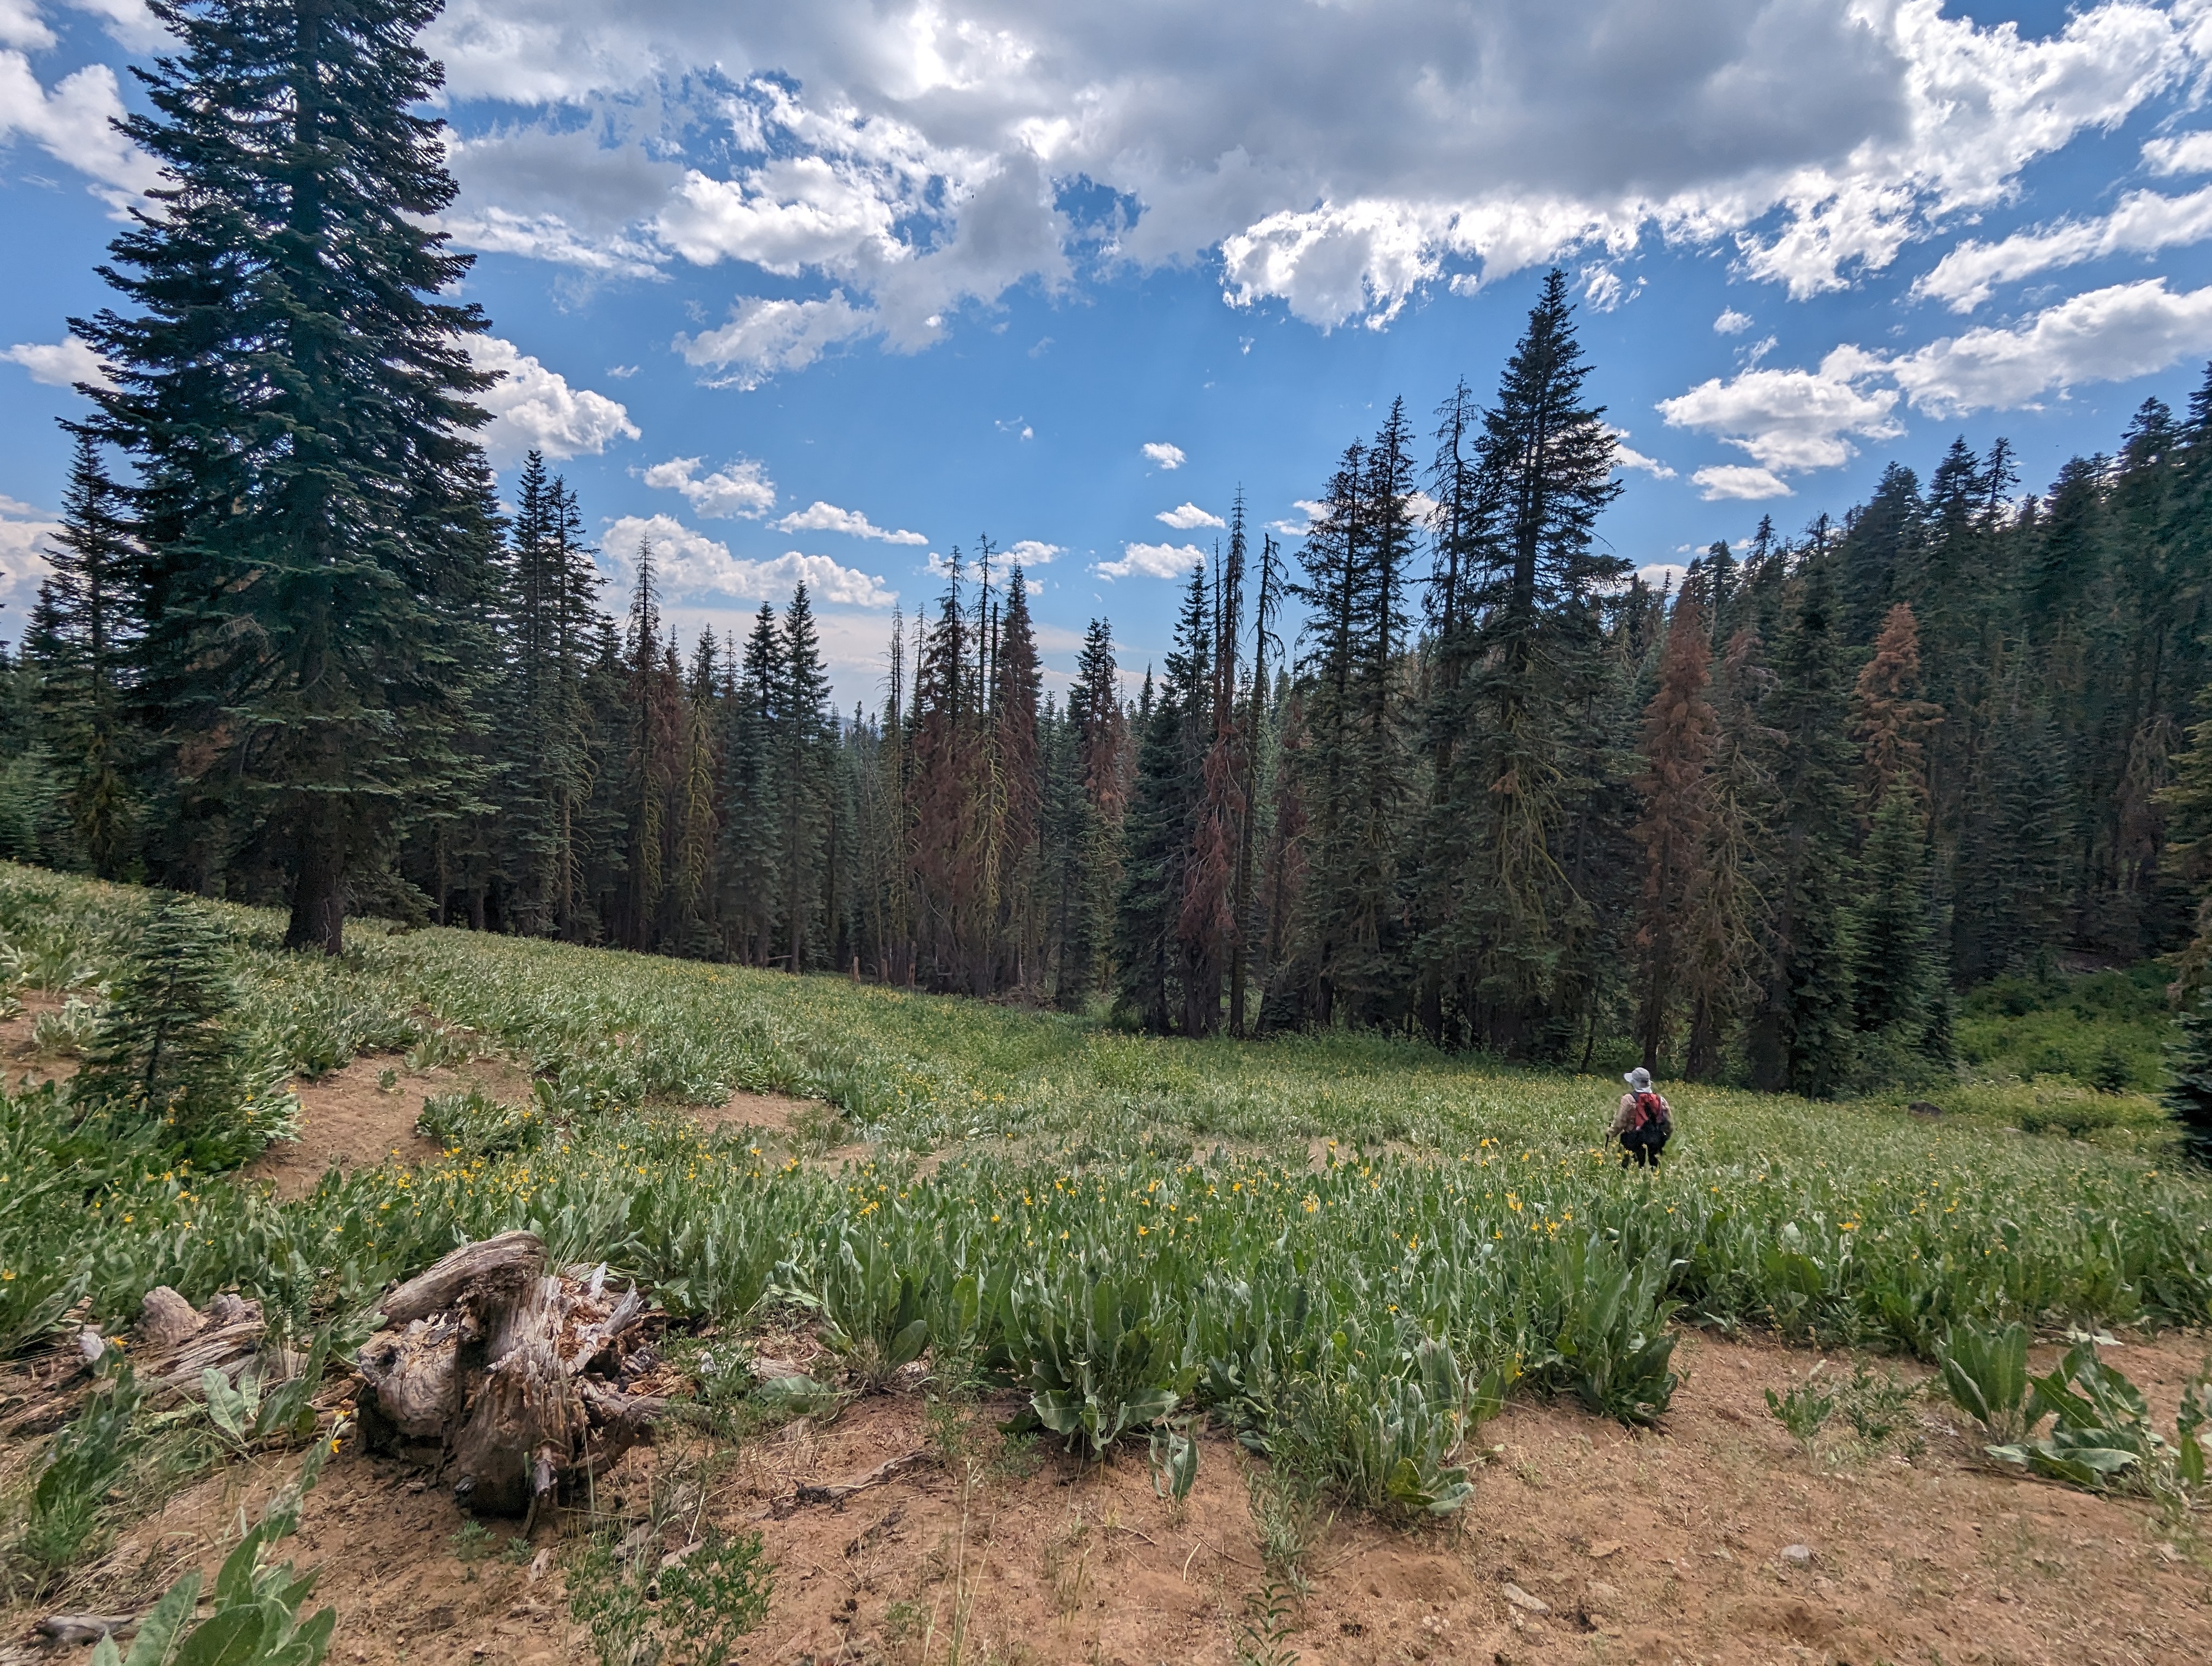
(1445, 767)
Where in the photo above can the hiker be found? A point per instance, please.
(1643, 1123)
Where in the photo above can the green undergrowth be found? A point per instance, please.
(1128, 1230)
(2106, 1031)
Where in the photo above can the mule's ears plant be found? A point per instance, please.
(256, 1617)
(1985, 1373)
(2100, 1437)
(67, 1502)
(1174, 1463)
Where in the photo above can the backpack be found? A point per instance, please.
(1649, 1112)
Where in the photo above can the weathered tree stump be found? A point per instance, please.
(511, 1379)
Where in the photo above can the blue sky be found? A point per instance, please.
(828, 289)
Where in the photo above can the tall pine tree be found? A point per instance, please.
(314, 521)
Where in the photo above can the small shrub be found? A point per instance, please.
(715, 1595)
(1874, 1405)
(1803, 1409)
(68, 1502)
(691, 1612)
(2058, 1108)
(469, 1122)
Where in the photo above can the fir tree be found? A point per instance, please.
(1679, 729)
(1166, 797)
(314, 520)
(1900, 1004)
(2188, 1095)
(1018, 682)
(1099, 738)
(80, 635)
(1546, 462)
(1801, 1030)
(1722, 914)
(803, 729)
(1890, 722)
(168, 1048)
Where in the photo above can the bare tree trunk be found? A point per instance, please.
(318, 885)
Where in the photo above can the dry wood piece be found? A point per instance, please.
(178, 1344)
(64, 1628)
(809, 1493)
(513, 1379)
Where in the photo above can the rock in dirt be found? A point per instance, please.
(515, 1379)
(1800, 1554)
(1522, 1600)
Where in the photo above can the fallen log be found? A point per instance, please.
(513, 1379)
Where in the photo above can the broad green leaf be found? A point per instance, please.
(231, 1637)
(158, 1633)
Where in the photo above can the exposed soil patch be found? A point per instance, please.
(19, 1055)
(1650, 1547)
(348, 1119)
(778, 1113)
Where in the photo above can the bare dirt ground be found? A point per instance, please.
(1679, 1544)
(348, 1119)
(18, 1057)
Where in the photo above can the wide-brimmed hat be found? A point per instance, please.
(1639, 1079)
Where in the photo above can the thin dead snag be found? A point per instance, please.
(514, 1379)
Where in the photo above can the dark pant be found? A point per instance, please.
(1643, 1146)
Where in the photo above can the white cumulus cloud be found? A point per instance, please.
(534, 406)
(25, 535)
(740, 491)
(1152, 561)
(2143, 223)
(1312, 508)
(764, 337)
(75, 124)
(1032, 552)
(63, 363)
(1625, 456)
(1185, 516)
(2179, 153)
(692, 564)
(1724, 481)
(1337, 160)
(820, 517)
(1731, 322)
(1790, 419)
(21, 26)
(2108, 335)
(1162, 454)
